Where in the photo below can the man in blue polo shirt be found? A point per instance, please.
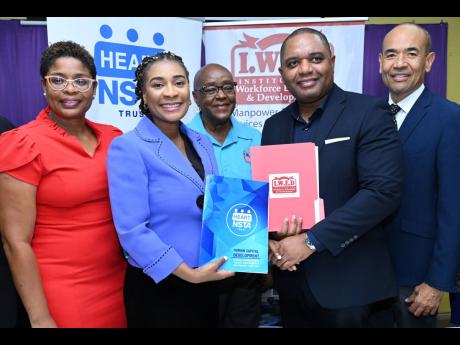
(216, 98)
(214, 93)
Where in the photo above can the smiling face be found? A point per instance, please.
(166, 91)
(69, 103)
(219, 107)
(405, 60)
(307, 68)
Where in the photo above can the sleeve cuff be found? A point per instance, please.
(319, 246)
(164, 265)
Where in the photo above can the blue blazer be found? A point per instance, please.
(424, 234)
(360, 181)
(153, 191)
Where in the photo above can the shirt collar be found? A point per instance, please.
(197, 123)
(238, 130)
(295, 112)
(407, 103)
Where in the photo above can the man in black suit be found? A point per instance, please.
(344, 271)
(8, 297)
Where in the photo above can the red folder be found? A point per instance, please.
(292, 173)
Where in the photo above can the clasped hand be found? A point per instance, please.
(287, 246)
(424, 300)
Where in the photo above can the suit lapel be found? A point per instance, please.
(168, 153)
(415, 115)
(334, 108)
(206, 153)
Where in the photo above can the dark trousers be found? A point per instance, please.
(405, 319)
(454, 299)
(300, 309)
(172, 302)
(240, 301)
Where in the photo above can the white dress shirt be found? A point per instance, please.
(406, 105)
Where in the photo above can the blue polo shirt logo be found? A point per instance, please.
(247, 156)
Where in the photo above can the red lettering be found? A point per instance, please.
(265, 59)
(243, 62)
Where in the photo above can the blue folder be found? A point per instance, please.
(235, 216)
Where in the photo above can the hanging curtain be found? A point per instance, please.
(435, 80)
(21, 48)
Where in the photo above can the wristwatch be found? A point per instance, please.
(309, 244)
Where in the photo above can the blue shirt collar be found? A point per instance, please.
(238, 130)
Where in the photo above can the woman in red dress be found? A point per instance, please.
(55, 215)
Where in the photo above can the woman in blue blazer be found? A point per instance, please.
(156, 181)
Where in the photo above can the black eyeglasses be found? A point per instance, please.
(212, 90)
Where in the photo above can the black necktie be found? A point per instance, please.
(394, 109)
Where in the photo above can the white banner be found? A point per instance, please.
(118, 46)
(251, 53)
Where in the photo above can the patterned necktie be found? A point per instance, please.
(394, 109)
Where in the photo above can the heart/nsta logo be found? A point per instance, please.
(241, 220)
(119, 61)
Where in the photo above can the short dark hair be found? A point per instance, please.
(301, 31)
(141, 72)
(66, 49)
